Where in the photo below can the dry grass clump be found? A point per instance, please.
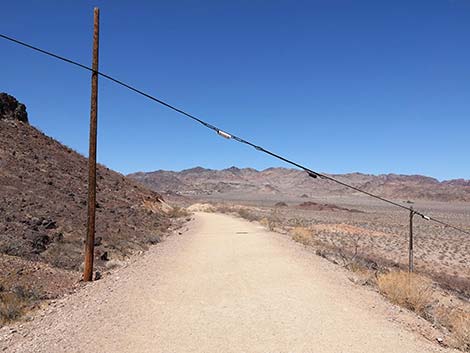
(225, 209)
(270, 222)
(457, 320)
(201, 207)
(411, 291)
(247, 214)
(265, 222)
(302, 235)
(11, 307)
(460, 327)
(178, 212)
(13, 304)
(154, 206)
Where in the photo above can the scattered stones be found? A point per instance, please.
(104, 256)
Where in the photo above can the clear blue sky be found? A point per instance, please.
(342, 86)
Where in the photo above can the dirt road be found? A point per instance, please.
(225, 286)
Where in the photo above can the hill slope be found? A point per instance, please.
(295, 183)
(43, 192)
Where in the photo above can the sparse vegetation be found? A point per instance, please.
(409, 290)
(178, 212)
(11, 307)
(14, 303)
(457, 321)
(302, 235)
(375, 255)
(247, 214)
(460, 326)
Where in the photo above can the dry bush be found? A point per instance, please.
(297, 222)
(224, 209)
(460, 326)
(269, 222)
(201, 207)
(246, 214)
(11, 307)
(152, 206)
(178, 212)
(457, 320)
(274, 220)
(362, 275)
(411, 291)
(112, 264)
(265, 222)
(302, 235)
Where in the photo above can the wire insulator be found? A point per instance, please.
(224, 134)
(313, 175)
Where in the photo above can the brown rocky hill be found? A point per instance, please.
(236, 182)
(43, 193)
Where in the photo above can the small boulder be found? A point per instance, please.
(104, 256)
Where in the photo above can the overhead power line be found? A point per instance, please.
(228, 135)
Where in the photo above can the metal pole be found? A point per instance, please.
(90, 236)
(410, 246)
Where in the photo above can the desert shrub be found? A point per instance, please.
(269, 222)
(457, 321)
(264, 222)
(246, 214)
(25, 294)
(224, 209)
(201, 207)
(11, 307)
(460, 327)
(153, 239)
(409, 290)
(112, 264)
(178, 212)
(297, 222)
(302, 235)
(63, 255)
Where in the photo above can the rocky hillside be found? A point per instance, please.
(234, 182)
(43, 192)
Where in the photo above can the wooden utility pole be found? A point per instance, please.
(90, 236)
(410, 244)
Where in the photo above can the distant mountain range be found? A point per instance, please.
(271, 182)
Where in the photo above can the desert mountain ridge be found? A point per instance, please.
(199, 181)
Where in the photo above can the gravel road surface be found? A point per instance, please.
(226, 285)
